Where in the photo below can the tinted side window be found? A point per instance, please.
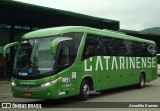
(77, 37)
(115, 47)
(108, 46)
(133, 48)
(74, 44)
(140, 49)
(64, 59)
(121, 47)
(92, 46)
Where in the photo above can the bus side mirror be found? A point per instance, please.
(8, 46)
(55, 43)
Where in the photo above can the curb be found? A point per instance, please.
(5, 82)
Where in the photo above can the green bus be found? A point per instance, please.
(59, 62)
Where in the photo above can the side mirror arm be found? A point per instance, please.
(8, 46)
(55, 43)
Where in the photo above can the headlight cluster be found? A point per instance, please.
(46, 84)
(50, 83)
(13, 84)
(43, 85)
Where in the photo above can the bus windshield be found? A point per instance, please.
(34, 57)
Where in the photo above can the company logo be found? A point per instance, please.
(151, 49)
(27, 83)
(105, 63)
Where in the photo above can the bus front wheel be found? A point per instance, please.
(141, 81)
(84, 90)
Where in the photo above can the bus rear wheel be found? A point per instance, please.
(141, 81)
(84, 90)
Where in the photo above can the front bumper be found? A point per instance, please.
(49, 92)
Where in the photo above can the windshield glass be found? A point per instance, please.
(34, 57)
(34, 60)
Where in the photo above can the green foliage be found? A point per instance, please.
(154, 30)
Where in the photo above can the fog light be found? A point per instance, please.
(48, 93)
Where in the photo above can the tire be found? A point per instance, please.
(84, 90)
(141, 81)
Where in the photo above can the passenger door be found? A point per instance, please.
(64, 61)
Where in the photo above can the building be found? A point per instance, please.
(17, 18)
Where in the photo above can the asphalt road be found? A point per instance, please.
(151, 93)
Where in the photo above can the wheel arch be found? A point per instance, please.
(144, 74)
(89, 79)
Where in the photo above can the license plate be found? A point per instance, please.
(27, 94)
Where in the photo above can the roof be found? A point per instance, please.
(18, 13)
(66, 29)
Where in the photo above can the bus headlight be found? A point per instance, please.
(13, 84)
(50, 83)
(46, 84)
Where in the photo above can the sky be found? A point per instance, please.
(132, 14)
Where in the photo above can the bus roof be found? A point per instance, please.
(66, 29)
